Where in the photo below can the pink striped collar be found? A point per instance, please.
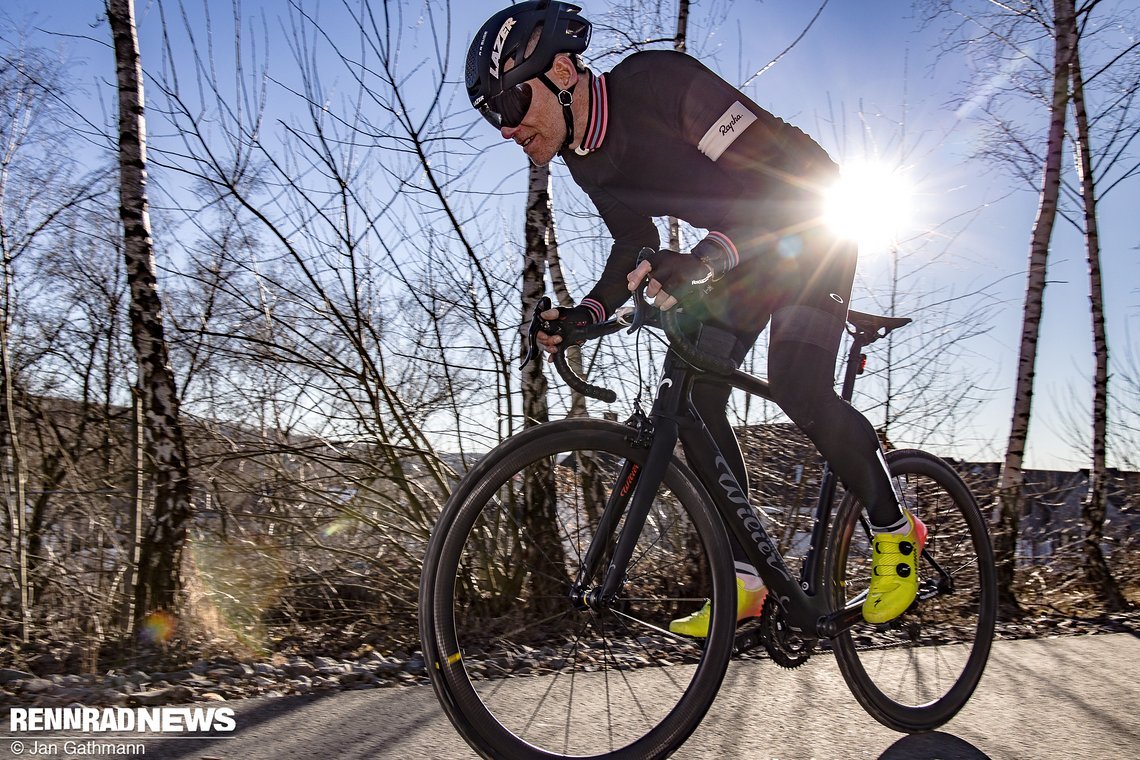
(599, 117)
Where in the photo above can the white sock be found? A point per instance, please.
(747, 575)
(901, 527)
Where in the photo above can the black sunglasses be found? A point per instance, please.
(508, 108)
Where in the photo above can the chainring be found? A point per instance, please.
(787, 649)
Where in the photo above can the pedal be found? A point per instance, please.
(929, 589)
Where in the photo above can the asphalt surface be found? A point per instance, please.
(1066, 697)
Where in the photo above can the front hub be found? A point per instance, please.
(586, 599)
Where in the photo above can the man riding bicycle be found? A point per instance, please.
(662, 135)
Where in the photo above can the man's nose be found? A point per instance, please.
(508, 132)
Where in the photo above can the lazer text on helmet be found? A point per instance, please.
(497, 50)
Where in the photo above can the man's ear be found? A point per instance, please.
(565, 73)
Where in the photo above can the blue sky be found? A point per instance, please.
(861, 56)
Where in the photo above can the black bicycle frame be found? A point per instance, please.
(673, 417)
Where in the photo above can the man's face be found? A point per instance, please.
(543, 128)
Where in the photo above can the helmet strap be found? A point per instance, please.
(566, 99)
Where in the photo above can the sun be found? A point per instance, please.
(871, 204)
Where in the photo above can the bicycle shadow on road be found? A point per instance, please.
(930, 746)
(346, 725)
(256, 712)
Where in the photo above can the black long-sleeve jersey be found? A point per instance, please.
(668, 137)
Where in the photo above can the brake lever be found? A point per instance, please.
(640, 305)
(536, 324)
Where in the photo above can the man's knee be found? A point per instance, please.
(805, 408)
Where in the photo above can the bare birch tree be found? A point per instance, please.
(1008, 35)
(1003, 33)
(1119, 134)
(160, 562)
(1012, 477)
(347, 276)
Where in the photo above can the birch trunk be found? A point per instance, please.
(539, 489)
(540, 212)
(534, 385)
(1009, 496)
(159, 576)
(1094, 507)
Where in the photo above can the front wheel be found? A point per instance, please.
(917, 671)
(522, 664)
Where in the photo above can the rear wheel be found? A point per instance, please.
(522, 669)
(917, 671)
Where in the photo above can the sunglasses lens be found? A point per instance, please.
(513, 104)
(492, 117)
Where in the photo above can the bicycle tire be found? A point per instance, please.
(944, 639)
(498, 665)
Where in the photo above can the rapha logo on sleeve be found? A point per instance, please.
(725, 130)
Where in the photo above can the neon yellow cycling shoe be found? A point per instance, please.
(748, 604)
(894, 571)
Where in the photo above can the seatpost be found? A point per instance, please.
(854, 366)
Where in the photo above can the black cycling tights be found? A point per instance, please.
(800, 376)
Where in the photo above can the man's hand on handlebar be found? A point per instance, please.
(550, 336)
(673, 276)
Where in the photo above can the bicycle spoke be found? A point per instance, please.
(629, 687)
(669, 675)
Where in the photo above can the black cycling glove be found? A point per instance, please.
(678, 272)
(573, 317)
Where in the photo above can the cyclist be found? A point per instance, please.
(662, 135)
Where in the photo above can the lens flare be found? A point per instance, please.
(871, 204)
(157, 628)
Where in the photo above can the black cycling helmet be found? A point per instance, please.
(500, 95)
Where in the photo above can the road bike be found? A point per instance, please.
(562, 555)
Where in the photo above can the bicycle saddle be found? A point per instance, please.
(875, 324)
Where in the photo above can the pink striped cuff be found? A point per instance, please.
(726, 243)
(597, 311)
